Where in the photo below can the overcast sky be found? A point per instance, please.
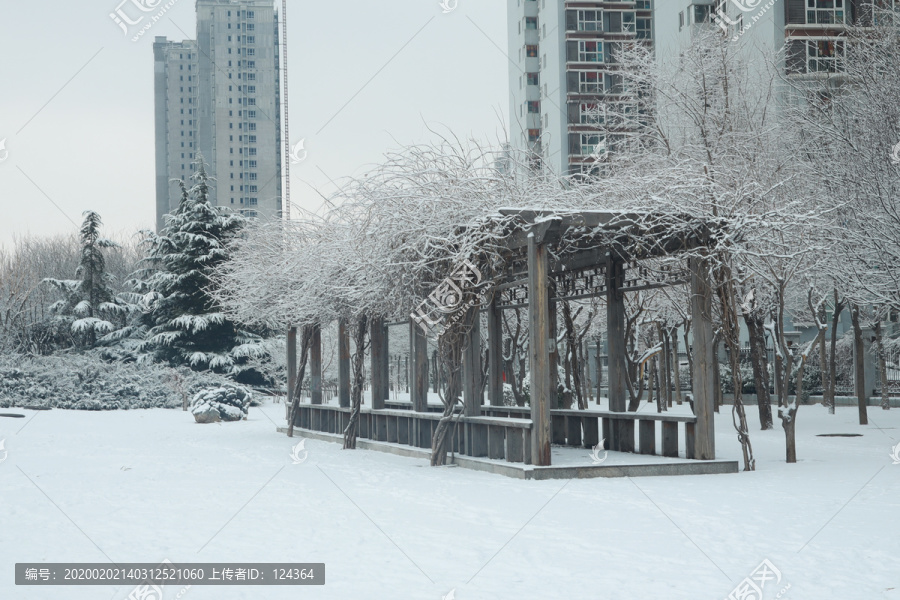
(76, 98)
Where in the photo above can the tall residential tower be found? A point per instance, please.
(562, 63)
(219, 96)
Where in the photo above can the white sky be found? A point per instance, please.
(76, 98)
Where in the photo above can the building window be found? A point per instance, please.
(251, 151)
(702, 13)
(619, 22)
(534, 135)
(643, 29)
(680, 21)
(250, 52)
(253, 201)
(591, 143)
(250, 27)
(534, 106)
(534, 78)
(590, 82)
(251, 189)
(251, 14)
(251, 176)
(531, 50)
(590, 20)
(251, 164)
(251, 114)
(250, 39)
(531, 23)
(824, 12)
(250, 76)
(590, 51)
(250, 89)
(251, 64)
(590, 114)
(822, 55)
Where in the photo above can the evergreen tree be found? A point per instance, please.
(90, 306)
(186, 325)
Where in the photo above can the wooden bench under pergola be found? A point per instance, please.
(550, 257)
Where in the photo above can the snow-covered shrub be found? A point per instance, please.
(509, 399)
(86, 381)
(748, 383)
(224, 403)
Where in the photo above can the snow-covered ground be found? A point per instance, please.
(148, 485)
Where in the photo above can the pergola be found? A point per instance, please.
(549, 257)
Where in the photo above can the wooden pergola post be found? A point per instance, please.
(703, 383)
(291, 363)
(539, 349)
(315, 366)
(495, 352)
(343, 364)
(380, 363)
(471, 370)
(622, 431)
(418, 345)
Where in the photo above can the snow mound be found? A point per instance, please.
(224, 403)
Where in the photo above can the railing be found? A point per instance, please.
(489, 437)
(582, 428)
(504, 432)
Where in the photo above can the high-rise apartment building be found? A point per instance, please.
(562, 64)
(219, 96)
(813, 32)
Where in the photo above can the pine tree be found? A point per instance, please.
(186, 325)
(90, 305)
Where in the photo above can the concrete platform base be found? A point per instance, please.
(522, 471)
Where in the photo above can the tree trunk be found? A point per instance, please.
(860, 365)
(831, 390)
(730, 332)
(305, 342)
(882, 365)
(359, 380)
(450, 354)
(658, 379)
(754, 322)
(779, 376)
(665, 373)
(677, 372)
(588, 387)
(823, 354)
(720, 397)
(687, 350)
(790, 436)
(789, 422)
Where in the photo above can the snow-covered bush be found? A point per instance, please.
(224, 403)
(85, 381)
(509, 399)
(748, 384)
